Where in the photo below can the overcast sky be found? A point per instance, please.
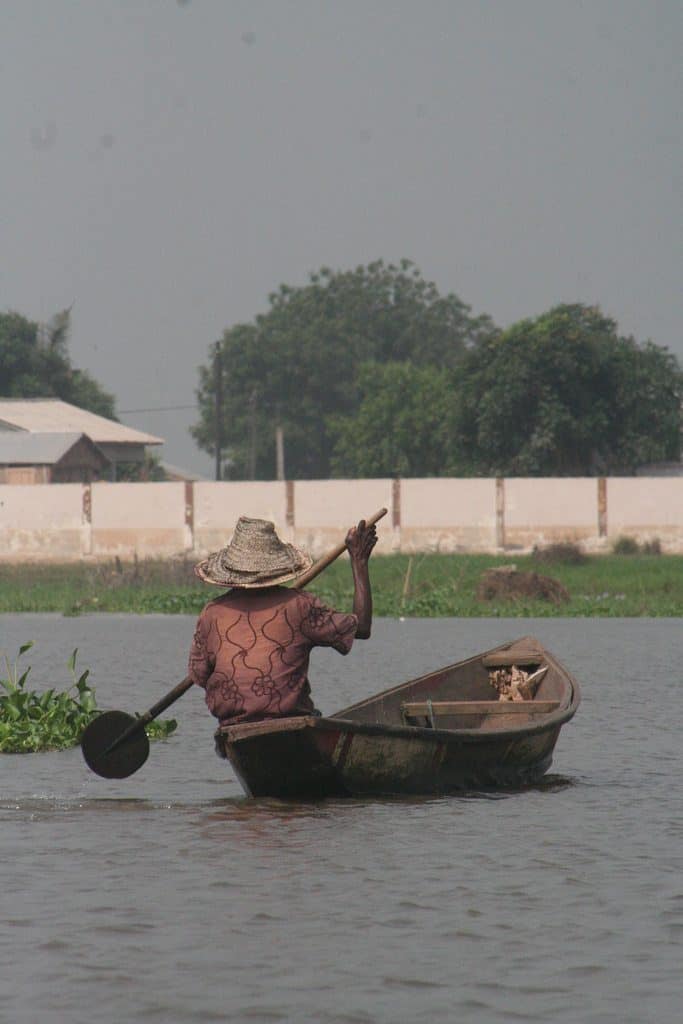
(165, 165)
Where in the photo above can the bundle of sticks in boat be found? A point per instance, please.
(513, 683)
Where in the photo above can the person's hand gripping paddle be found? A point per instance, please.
(115, 743)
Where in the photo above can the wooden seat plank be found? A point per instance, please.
(425, 708)
(502, 659)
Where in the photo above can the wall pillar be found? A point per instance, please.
(189, 515)
(500, 512)
(396, 513)
(86, 519)
(602, 506)
(290, 518)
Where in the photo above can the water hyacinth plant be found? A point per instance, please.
(52, 720)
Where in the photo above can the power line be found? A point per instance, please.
(161, 408)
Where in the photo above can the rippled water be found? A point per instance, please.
(170, 897)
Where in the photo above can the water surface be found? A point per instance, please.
(171, 897)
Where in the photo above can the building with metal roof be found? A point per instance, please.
(27, 458)
(117, 442)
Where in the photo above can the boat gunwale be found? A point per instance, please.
(393, 690)
(251, 730)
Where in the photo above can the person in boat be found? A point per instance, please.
(251, 645)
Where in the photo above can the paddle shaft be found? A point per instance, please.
(171, 697)
(176, 693)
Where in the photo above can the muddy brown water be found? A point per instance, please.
(171, 897)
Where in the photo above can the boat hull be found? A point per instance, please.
(314, 758)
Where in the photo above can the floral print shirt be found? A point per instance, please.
(251, 649)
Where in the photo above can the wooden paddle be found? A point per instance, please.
(115, 744)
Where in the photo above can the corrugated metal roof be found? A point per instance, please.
(52, 415)
(19, 447)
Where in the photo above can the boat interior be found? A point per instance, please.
(464, 695)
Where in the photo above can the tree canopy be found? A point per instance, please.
(304, 363)
(371, 372)
(35, 363)
(564, 395)
(402, 426)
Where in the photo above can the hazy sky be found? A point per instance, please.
(164, 165)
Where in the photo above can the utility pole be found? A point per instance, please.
(280, 452)
(218, 407)
(252, 435)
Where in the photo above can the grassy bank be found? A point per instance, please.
(424, 585)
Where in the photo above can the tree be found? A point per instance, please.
(565, 395)
(35, 363)
(401, 426)
(299, 362)
(151, 470)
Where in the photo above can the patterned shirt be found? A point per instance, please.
(251, 649)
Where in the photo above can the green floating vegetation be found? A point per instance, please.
(447, 585)
(52, 720)
(641, 583)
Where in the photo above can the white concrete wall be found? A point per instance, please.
(546, 510)
(645, 508)
(70, 521)
(218, 506)
(448, 515)
(325, 509)
(41, 521)
(138, 519)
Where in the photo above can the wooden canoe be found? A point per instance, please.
(441, 733)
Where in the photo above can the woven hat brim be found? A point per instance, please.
(237, 581)
(252, 580)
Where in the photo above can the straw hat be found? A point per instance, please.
(255, 557)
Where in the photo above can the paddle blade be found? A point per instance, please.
(125, 758)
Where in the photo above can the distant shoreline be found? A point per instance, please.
(426, 586)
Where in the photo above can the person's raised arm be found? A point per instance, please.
(360, 540)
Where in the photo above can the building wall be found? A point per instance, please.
(103, 520)
(83, 463)
(24, 474)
